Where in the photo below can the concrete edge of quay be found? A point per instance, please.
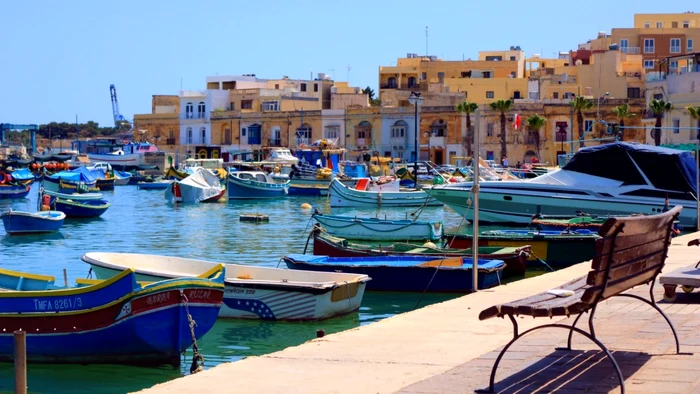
(388, 355)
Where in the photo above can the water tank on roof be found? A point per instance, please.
(433, 58)
(321, 75)
(409, 55)
(517, 48)
(614, 47)
(512, 48)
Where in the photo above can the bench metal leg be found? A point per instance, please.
(571, 333)
(492, 379)
(653, 305)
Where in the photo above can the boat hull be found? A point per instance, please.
(130, 160)
(244, 189)
(105, 184)
(370, 229)
(30, 223)
(342, 196)
(84, 209)
(12, 191)
(153, 185)
(270, 301)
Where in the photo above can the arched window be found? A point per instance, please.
(201, 109)
(411, 82)
(189, 135)
(189, 109)
(203, 132)
(398, 130)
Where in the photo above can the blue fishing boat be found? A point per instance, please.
(14, 191)
(407, 273)
(86, 205)
(254, 185)
(18, 222)
(78, 180)
(154, 185)
(113, 321)
(22, 175)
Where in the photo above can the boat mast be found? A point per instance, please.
(475, 207)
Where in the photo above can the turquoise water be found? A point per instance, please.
(140, 221)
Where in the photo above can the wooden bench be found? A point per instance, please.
(630, 252)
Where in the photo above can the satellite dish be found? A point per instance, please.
(579, 62)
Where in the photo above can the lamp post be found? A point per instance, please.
(605, 97)
(416, 100)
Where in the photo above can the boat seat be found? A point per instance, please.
(362, 184)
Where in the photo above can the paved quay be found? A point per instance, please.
(444, 348)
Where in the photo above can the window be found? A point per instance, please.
(411, 82)
(303, 87)
(189, 109)
(533, 137)
(277, 86)
(203, 132)
(516, 95)
(513, 74)
(634, 93)
(270, 106)
(246, 104)
(686, 24)
(424, 76)
(673, 64)
(624, 43)
(676, 126)
(441, 76)
(189, 135)
(254, 134)
(674, 25)
(675, 45)
(649, 64)
(398, 130)
(512, 58)
(555, 95)
(243, 131)
(489, 129)
(201, 110)
(276, 137)
(315, 87)
(561, 131)
(689, 44)
(391, 82)
(331, 132)
(659, 25)
(232, 107)
(487, 74)
(227, 136)
(649, 45)
(489, 94)
(587, 125)
(658, 96)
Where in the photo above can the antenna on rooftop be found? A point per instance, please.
(348, 75)
(426, 42)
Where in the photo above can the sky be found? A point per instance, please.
(60, 57)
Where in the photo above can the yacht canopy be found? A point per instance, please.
(665, 168)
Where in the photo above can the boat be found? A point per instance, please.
(125, 155)
(618, 178)
(103, 180)
(202, 186)
(589, 223)
(342, 196)
(375, 229)
(514, 257)
(407, 273)
(121, 178)
(23, 175)
(63, 156)
(115, 321)
(283, 156)
(77, 205)
(557, 248)
(254, 185)
(19, 222)
(17, 190)
(154, 185)
(251, 292)
(80, 179)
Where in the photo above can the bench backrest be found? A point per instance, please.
(630, 252)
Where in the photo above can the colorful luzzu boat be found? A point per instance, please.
(112, 321)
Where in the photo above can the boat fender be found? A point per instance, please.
(46, 200)
(305, 206)
(379, 199)
(429, 245)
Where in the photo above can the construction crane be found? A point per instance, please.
(119, 120)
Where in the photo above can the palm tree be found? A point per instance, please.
(659, 108)
(579, 103)
(622, 113)
(468, 109)
(535, 123)
(502, 106)
(695, 114)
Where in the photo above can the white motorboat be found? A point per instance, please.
(617, 179)
(202, 186)
(250, 292)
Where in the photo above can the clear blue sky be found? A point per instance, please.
(59, 57)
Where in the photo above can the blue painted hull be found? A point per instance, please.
(239, 190)
(409, 278)
(80, 210)
(14, 191)
(308, 191)
(22, 224)
(153, 185)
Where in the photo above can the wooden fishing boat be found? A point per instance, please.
(112, 321)
(77, 205)
(78, 180)
(369, 229)
(589, 223)
(251, 292)
(121, 178)
(18, 190)
(515, 258)
(556, 248)
(254, 185)
(342, 195)
(175, 174)
(407, 273)
(18, 222)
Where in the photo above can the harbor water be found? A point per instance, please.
(140, 221)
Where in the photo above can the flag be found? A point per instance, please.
(516, 121)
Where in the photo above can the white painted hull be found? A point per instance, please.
(341, 196)
(250, 292)
(134, 159)
(370, 229)
(121, 181)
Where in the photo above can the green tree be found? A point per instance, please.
(695, 114)
(535, 123)
(658, 109)
(502, 106)
(468, 109)
(580, 103)
(622, 113)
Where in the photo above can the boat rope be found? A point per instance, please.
(418, 211)
(464, 218)
(541, 261)
(347, 289)
(197, 358)
(430, 282)
(370, 228)
(89, 275)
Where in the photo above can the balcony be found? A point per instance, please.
(389, 86)
(274, 142)
(193, 116)
(631, 50)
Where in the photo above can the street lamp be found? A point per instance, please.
(416, 100)
(603, 98)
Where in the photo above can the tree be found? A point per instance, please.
(695, 114)
(369, 92)
(580, 103)
(468, 109)
(658, 109)
(622, 113)
(502, 106)
(535, 123)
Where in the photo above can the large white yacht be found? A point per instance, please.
(612, 179)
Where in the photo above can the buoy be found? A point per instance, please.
(429, 245)
(305, 206)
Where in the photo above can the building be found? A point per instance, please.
(680, 86)
(162, 125)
